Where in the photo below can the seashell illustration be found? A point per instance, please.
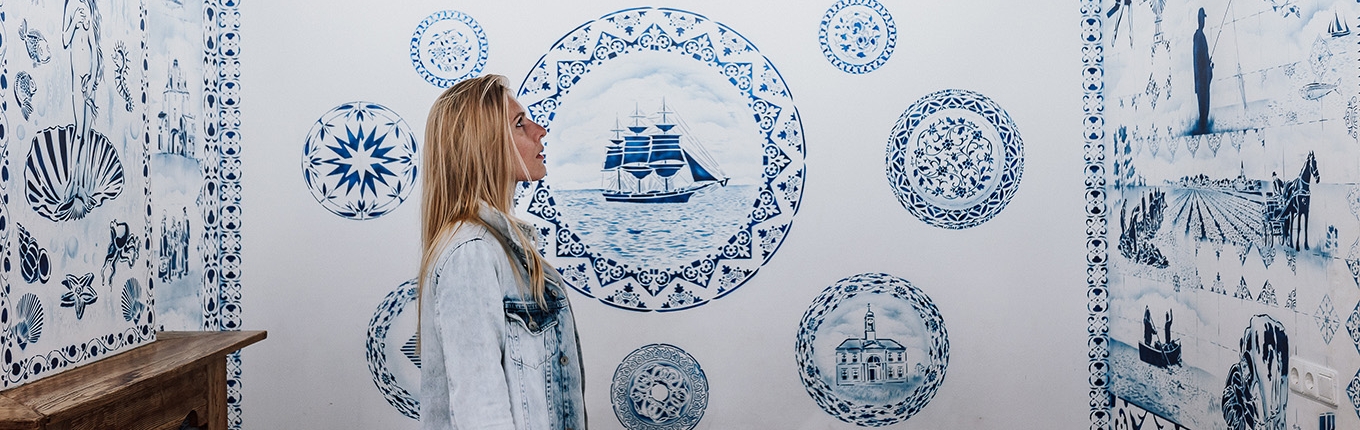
(79, 293)
(67, 177)
(35, 43)
(122, 247)
(28, 323)
(132, 301)
(24, 88)
(33, 262)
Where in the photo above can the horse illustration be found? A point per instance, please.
(1287, 213)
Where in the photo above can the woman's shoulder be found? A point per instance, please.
(468, 238)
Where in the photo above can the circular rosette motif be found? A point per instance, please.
(447, 47)
(67, 176)
(359, 160)
(385, 371)
(676, 159)
(659, 387)
(857, 36)
(954, 159)
(872, 350)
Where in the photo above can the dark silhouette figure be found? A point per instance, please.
(1204, 72)
(1148, 329)
(1167, 333)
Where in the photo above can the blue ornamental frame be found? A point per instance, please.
(1097, 249)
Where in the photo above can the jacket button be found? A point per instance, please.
(533, 325)
(563, 361)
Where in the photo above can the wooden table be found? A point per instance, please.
(181, 375)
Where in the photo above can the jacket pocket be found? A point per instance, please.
(531, 330)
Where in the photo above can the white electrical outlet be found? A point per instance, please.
(1313, 381)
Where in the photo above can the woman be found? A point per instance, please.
(498, 340)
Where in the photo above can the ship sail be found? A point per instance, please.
(661, 152)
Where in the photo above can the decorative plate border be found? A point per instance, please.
(396, 144)
(1097, 249)
(1007, 175)
(681, 365)
(889, 43)
(482, 47)
(848, 410)
(621, 284)
(376, 349)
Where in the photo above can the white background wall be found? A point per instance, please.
(1012, 290)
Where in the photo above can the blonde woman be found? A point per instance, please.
(498, 341)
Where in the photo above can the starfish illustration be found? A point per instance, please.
(79, 293)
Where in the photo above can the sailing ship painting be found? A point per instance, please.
(655, 152)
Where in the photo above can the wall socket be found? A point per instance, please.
(1313, 381)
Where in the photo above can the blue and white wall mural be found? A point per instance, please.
(359, 160)
(447, 47)
(857, 36)
(119, 140)
(675, 155)
(1222, 161)
(955, 159)
(74, 152)
(659, 387)
(872, 350)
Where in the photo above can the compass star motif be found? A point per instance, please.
(360, 160)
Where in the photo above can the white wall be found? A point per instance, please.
(1011, 290)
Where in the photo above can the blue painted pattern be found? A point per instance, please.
(447, 47)
(359, 160)
(955, 159)
(659, 387)
(377, 350)
(699, 50)
(873, 395)
(857, 36)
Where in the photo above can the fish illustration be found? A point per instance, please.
(1316, 90)
(35, 43)
(24, 88)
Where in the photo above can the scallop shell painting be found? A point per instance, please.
(67, 176)
(29, 320)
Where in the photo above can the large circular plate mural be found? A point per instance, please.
(675, 158)
(872, 350)
(955, 159)
(659, 387)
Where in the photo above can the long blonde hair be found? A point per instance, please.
(469, 160)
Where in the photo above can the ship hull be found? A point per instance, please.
(676, 196)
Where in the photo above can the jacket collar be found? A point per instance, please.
(500, 224)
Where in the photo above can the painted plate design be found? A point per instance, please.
(719, 193)
(447, 47)
(659, 387)
(954, 159)
(359, 160)
(857, 36)
(872, 350)
(385, 361)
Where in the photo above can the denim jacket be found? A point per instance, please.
(492, 357)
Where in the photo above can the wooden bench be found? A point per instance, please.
(179, 378)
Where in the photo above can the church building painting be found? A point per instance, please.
(870, 360)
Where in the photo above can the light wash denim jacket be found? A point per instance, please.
(492, 357)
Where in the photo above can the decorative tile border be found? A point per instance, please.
(1097, 249)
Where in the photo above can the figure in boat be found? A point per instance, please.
(652, 165)
(1164, 352)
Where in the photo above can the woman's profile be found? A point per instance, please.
(498, 340)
